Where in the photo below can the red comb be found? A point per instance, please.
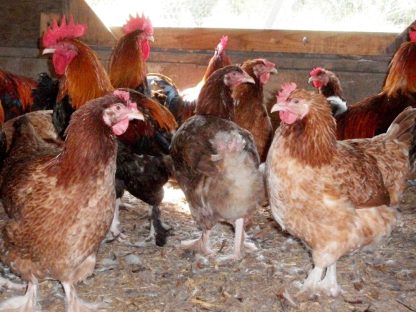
(412, 34)
(56, 33)
(138, 23)
(286, 90)
(223, 44)
(316, 71)
(125, 96)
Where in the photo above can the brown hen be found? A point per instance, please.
(336, 196)
(53, 231)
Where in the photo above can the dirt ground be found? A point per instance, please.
(151, 278)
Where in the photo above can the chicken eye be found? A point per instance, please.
(118, 107)
(296, 101)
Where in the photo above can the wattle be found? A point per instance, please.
(317, 84)
(145, 49)
(264, 78)
(287, 117)
(120, 127)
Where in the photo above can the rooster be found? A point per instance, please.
(83, 77)
(143, 167)
(19, 94)
(216, 162)
(127, 67)
(52, 231)
(374, 114)
(250, 112)
(182, 103)
(329, 85)
(336, 196)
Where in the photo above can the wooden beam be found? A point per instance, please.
(289, 41)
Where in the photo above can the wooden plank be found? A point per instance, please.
(402, 37)
(319, 42)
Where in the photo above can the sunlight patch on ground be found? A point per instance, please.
(175, 196)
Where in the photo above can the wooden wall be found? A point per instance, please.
(359, 59)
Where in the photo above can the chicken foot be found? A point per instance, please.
(200, 245)
(158, 230)
(75, 304)
(315, 283)
(115, 224)
(26, 303)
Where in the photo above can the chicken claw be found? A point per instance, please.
(200, 245)
(75, 304)
(328, 285)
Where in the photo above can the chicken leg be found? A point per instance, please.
(239, 242)
(26, 303)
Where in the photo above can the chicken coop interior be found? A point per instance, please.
(308, 209)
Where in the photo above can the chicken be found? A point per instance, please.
(83, 77)
(329, 85)
(216, 162)
(336, 196)
(374, 114)
(250, 112)
(182, 103)
(142, 166)
(19, 94)
(127, 67)
(53, 231)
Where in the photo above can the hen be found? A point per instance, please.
(250, 112)
(374, 114)
(142, 165)
(336, 196)
(53, 232)
(329, 86)
(216, 162)
(182, 103)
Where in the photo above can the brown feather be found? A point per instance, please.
(315, 134)
(250, 112)
(373, 115)
(85, 78)
(127, 67)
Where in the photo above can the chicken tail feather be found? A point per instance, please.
(403, 129)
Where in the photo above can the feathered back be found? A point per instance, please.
(85, 78)
(402, 69)
(159, 113)
(127, 67)
(17, 89)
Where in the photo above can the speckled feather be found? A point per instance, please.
(336, 200)
(59, 214)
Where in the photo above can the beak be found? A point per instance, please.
(310, 80)
(48, 51)
(151, 38)
(273, 71)
(247, 78)
(135, 114)
(278, 107)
